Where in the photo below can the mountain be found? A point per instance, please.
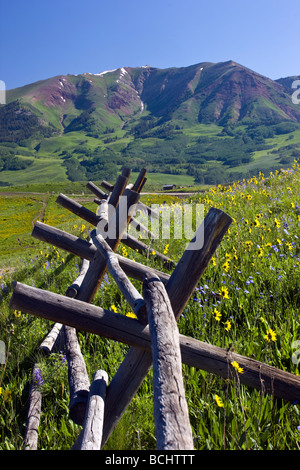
(172, 120)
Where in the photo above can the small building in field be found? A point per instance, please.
(167, 187)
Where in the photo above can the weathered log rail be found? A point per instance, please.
(153, 338)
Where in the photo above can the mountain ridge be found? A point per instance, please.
(147, 115)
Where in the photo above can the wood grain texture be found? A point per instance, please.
(93, 422)
(171, 414)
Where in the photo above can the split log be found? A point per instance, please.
(117, 192)
(54, 340)
(195, 353)
(87, 250)
(102, 210)
(130, 293)
(79, 383)
(214, 227)
(171, 416)
(140, 180)
(33, 414)
(93, 422)
(77, 209)
(97, 191)
(106, 185)
(74, 287)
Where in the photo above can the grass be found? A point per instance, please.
(256, 265)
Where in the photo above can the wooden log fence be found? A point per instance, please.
(153, 337)
(93, 421)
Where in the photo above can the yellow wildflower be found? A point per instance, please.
(270, 336)
(166, 249)
(277, 223)
(7, 395)
(226, 266)
(131, 315)
(114, 308)
(224, 292)
(227, 325)
(219, 401)
(17, 313)
(236, 366)
(217, 315)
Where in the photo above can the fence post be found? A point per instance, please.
(93, 423)
(171, 415)
(33, 415)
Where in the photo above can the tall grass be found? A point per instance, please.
(248, 299)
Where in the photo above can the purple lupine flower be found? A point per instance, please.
(38, 376)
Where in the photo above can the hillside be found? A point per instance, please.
(213, 122)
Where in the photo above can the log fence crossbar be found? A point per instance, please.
(153, 337)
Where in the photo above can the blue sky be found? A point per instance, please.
(41, 39)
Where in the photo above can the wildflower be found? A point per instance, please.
(7, 395)
(217, 315)
(166, 249)
(114, 308)
(17, 313)
(260, 252)
(270, 336)
(131, 315)
(256, 223)
(224, 292)
(213, 260)
(236, 366)
(226, 266)
(38, 376)
(153, 252)
(227, 325)
(219, 401)
(277, 223)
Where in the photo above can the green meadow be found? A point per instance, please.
(248, 300)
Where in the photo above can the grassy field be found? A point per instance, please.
(248, 299)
